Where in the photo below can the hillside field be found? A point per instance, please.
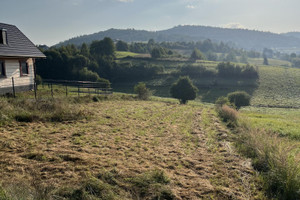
(120, 148)
(277, 86)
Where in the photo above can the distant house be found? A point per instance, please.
(17, 60)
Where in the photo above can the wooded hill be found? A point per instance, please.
(241, 38)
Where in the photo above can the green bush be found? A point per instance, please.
(197, 55)
(142, 91)
(184, 90)
(222, 101)
(239, 98)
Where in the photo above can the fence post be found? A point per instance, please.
(13, 86)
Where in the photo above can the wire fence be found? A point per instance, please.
(79, 87)
(69, 86)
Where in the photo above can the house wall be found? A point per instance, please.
(22, 83)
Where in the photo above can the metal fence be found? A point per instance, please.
(79, 86)
(11, 86)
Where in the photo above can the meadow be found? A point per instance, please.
(282, 121)
(277, 86)
(121, 148)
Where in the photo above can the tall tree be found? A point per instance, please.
(103, 47)
(197, 55)
(122, 46)
(84, 50)
(184, 90)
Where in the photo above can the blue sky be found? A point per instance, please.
(51, 21)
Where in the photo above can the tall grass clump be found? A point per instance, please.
(5, 111)
(152, 185)
(277, 159)
(29, 110)
(227, 114)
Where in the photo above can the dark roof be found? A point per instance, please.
(18, 45)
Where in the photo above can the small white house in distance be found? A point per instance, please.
(17, 60)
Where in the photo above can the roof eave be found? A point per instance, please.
(22, 56)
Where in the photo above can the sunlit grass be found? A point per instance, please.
(123, 54)
(285, 122)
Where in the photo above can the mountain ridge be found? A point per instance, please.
(240, 38)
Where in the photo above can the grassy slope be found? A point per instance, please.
(123, 54)
(272, 62)
(131, 137)
(285, 122)
(277, 86)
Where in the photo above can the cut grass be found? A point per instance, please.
(132, 138)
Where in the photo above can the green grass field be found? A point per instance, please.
(282, 121)
(272, 62)
(276, 87)
(123, 54)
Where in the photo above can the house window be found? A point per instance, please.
(3, 36)
(24, 68)
(2, 69)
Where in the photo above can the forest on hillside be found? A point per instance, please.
(238, 38)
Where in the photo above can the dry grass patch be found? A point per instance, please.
(118, 148)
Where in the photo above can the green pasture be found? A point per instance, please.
(282, 121)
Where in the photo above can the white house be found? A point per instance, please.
(17, 60)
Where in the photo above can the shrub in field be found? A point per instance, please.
(239, 98)
(142, 91)
(197, 55)
(184, 90)
(222, 101)
(228, 114)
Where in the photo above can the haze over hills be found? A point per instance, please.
(292, 34)
(241, 38)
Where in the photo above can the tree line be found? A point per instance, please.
(94, 62)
